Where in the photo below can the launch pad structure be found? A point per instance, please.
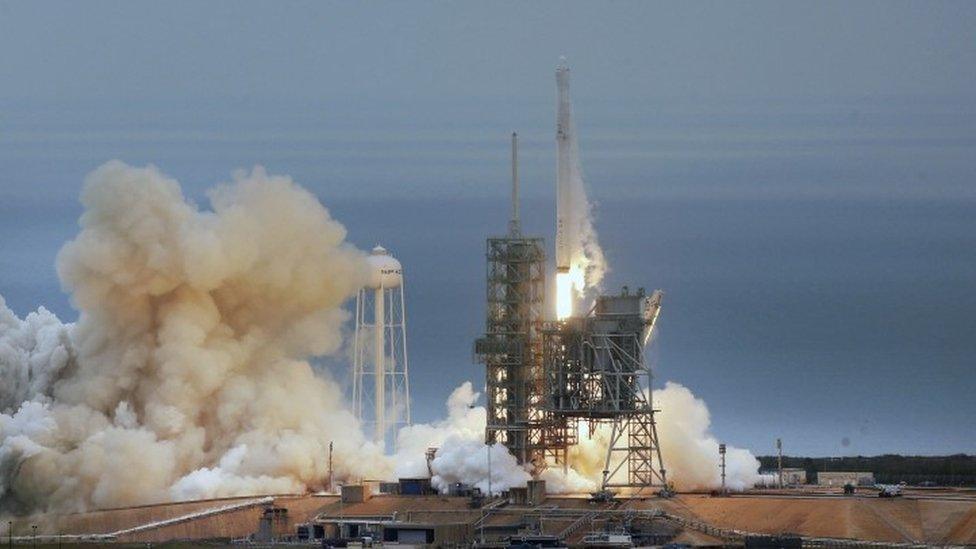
(595, 372)
(544, 379)
(511, 348)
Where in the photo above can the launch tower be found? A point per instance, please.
(511, 348)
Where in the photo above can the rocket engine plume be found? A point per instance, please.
(580, 264)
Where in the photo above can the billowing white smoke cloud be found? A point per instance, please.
(462, 455)
(689, 449)
(33, 352)
(226, 480)
(190, 347)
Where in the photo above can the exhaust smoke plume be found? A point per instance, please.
(186, 374)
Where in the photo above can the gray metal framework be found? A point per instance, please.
(595, 371)
(511, 348)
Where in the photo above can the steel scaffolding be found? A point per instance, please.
(511, 347)
(595, 371)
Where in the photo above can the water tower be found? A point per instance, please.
(380, 362)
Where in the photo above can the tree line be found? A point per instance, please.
(954, 470)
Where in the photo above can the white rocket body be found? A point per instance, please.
(565, 165)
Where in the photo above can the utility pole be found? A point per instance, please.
(721, 451)
(779, 450)
(341, 509)
(331, 475)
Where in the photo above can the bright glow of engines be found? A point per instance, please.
(564, 296)
(568, 285)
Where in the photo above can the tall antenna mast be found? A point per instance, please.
(513, 224)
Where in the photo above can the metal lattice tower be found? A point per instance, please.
(381, 384)
(511, 347)
(596, 372)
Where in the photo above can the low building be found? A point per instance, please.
(453, 534)
(533, 493)
(355, 493)
(840, 478)
(536, 492)
(273, 524)
(792, 476)
(415, 486)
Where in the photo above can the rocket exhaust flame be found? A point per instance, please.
(570, 283)
(564, 295)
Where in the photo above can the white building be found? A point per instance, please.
(840, 478)
(792, 476)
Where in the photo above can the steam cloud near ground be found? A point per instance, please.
(187, 376)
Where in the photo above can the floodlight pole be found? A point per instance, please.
(721, 451)
(779, 459)
(331, 472)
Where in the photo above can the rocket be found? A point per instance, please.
(567, 175)
(564, 187)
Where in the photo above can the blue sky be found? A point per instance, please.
(798, 177)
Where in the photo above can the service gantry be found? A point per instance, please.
(511, 348)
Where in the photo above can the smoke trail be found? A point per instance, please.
(185, 375)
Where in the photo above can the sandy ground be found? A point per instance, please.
(932, 517)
